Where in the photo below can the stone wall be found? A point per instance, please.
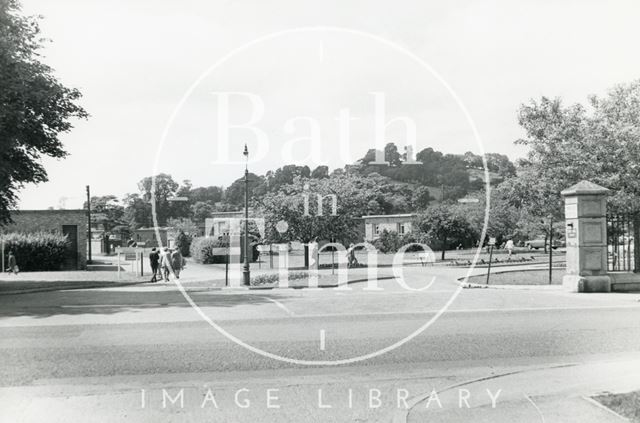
(30, 221)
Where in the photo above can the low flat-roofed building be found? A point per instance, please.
(375, 224)
(72, 223)
(219, 224)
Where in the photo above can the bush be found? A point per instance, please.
(391, 241)
(183, 243)
(271, 278)
(36, 252)
(202, 250)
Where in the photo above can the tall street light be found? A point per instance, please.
(246, 271)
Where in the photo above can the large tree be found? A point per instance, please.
(35, 108)
(446, 225)
(599, 142)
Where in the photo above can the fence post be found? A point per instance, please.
(636, 243)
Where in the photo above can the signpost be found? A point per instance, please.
(491, 243)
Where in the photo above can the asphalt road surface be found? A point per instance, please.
(145, 354)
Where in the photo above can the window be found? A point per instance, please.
(376, 229)
(401, 228)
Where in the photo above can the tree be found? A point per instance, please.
(137, 212)
(500, 164)
(320, 172)
(201, 211)
(159, 190)
(187, 226)
(392, 155)
(210, 195)
(107, 211)
(234, 194)
(109, 205)
(36, 107)
(355, 196)
(445, 225)
(599, 142)
(183, 231)
(504, 217)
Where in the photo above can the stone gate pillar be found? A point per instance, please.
(586, 234)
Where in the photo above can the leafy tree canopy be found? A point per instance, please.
(35, 107)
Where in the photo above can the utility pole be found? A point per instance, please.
(246, 271)
(89, 259)
(550, 248)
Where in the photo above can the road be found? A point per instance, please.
(113, 354)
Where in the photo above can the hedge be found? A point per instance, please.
(36, 251)
(202, 250)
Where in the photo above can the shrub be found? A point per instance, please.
(202, 250)
(264, 279)
(37, 251)
(183, 243)
(270, 278)
(391, 241)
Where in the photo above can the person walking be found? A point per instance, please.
(351, 256)
(165, 264)
(154, 261)
(12, 263)
(176, 262)
(509, 247)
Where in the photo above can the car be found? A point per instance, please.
(536, 244)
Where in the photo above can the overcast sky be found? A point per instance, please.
(134, 61)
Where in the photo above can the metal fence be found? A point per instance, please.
(620, 240)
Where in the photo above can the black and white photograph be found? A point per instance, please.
(320, 211)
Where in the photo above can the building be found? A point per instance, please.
(147, 237)
(219, 224)
(72, 223)
(374, 225)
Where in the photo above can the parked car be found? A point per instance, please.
(536, 244)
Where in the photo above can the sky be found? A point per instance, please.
(157, 77)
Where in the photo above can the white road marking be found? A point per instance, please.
(282, 306)
(322, 339)
(535, 406)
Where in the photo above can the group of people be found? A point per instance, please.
(164, 262)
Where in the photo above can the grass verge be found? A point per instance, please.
(521, 277)
(627, 405)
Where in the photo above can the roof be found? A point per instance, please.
(372, 216)
(584, 188)
(51, 211)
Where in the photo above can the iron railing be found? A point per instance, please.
(620, 240)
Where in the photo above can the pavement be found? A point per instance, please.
(124, 353)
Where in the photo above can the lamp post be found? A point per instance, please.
(246, 271)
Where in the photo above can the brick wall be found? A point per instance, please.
(29, 221)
